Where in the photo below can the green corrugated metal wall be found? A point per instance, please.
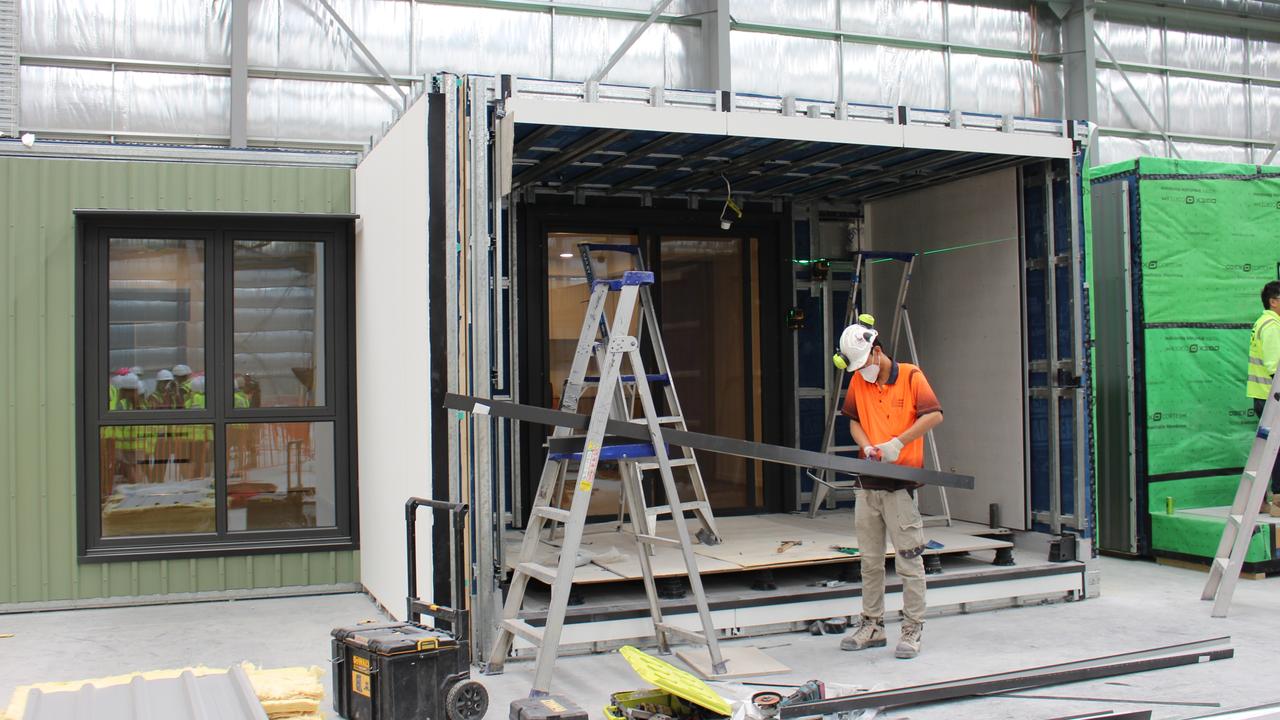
(37, 369)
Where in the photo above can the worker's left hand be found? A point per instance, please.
(890, 450)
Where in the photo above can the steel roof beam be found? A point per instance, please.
(823, 156)
(676, 164)
(535, 137)
(836, 174)
(567, 156)
(894, 171)
(630, 157)
(984, 164)
(761, 155)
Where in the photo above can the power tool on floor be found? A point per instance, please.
(407, 671)
(808, 692)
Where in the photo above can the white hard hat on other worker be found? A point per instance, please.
(164, 375)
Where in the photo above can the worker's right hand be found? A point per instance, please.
(871, 452)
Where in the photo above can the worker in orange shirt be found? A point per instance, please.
(890, 407)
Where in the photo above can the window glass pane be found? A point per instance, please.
(279, 324)
(280, 475)
(156, 479)
(156, 323)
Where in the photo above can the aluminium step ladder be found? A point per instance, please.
(1243, 516)
(826, 482)
(614, 350)
(625, 401)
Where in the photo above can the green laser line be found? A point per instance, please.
(937, 251)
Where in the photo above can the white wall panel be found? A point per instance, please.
(392, 334)
(1130, 41)
(1005, 85)
(966, 313)
(1202, 50)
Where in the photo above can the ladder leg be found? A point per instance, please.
(634, 499)
(677, 515)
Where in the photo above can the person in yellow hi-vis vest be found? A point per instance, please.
(1264, 356)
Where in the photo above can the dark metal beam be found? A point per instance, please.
(755, 157)
(567, 156)
(835, 174)
(986, 163)
(620, 162)
(1031, 678)
(824, 156)
(894, 171)
(711, 443)
(675, 165)
(532, 139)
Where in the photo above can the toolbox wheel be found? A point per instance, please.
(467, 700)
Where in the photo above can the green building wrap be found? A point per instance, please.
(1207, 240)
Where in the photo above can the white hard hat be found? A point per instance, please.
(181, 370)
(197, 384)
(855, 347)
(164, 375)
(136, 370)
(129, 382)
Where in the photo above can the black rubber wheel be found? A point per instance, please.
(467, 700)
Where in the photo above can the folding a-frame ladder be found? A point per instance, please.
(611, 349)
(1243, 516)
(826, 482)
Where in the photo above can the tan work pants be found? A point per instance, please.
(878, 512)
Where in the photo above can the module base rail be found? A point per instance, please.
(711, 443)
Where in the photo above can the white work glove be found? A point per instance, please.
(871, 452)
(890, 450)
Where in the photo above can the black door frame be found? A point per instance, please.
(772, 232)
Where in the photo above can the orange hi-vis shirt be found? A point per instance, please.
(886, 411)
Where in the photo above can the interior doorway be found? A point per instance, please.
(710, 296)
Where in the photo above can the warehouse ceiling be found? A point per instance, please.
(610, 161)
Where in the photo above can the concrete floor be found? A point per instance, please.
(1142, 605)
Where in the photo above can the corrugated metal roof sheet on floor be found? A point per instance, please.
(221, 696)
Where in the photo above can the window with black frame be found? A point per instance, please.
(216, 383)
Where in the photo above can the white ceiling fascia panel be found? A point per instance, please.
(986, 141)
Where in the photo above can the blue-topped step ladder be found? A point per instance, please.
(573, 461)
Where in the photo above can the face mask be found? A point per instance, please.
(870, 372)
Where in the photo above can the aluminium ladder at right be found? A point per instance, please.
(824, 482)
(588, 451)
(1243, 516)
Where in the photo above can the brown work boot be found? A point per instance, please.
(909, 642)
(868, 634)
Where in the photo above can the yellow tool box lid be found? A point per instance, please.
(672, 679)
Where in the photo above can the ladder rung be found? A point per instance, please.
(652, 377)
(538, 572)
(524, 630)
(667, 419)
(550, 513)
(674, 462)
(666, 509)
(655, 540)
(689, 635)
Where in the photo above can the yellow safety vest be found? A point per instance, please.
(1264, 354)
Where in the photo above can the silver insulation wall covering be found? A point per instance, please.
(1214, 93)
(159, 70)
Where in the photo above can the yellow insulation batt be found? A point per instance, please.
(292, 693)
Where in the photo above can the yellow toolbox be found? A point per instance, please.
(678, 695)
